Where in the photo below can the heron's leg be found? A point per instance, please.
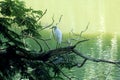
(58, 45)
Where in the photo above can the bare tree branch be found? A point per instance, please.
(81, 33)
(49, 24)
(45, 41)
(81, 41)
(41, 16)
(93, 59)
(37, 43)
(59, 20)
(45, 56)
(80, 64)
(84, 30)
(62, 72)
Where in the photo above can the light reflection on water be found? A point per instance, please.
(99, 43)
(114, 48)
(94, 71)
(113, 52)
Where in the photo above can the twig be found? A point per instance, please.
(80, 35)
(84, 30)
(93, 59)
(45, 43)
(36, 42)
(62, 72)
(59, 20)
(81, 41)
(84, 61)
(80, 65)
(41, 15)
(49, 24)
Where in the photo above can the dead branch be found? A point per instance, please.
(81, 33)
(45, 56)
(94, 59)
(37, 43)
(84, 30)
(27, 36)
(49, 24)
(61, 72)
(80, 42)
(59, 20)
(45, 41)
(80, 64)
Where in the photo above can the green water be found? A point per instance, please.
(101, 46)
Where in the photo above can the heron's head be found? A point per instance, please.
(54, 27)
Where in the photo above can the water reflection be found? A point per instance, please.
(114, 48)
(106, 50)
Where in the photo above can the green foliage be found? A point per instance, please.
(16, 24)
(14, 13)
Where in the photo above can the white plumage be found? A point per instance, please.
(57, 34)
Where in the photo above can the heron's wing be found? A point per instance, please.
(58, 35)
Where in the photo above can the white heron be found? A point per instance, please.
(57, 35)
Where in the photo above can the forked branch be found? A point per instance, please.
(94, 59)
(48, 25)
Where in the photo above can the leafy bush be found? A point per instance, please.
(16, 24)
